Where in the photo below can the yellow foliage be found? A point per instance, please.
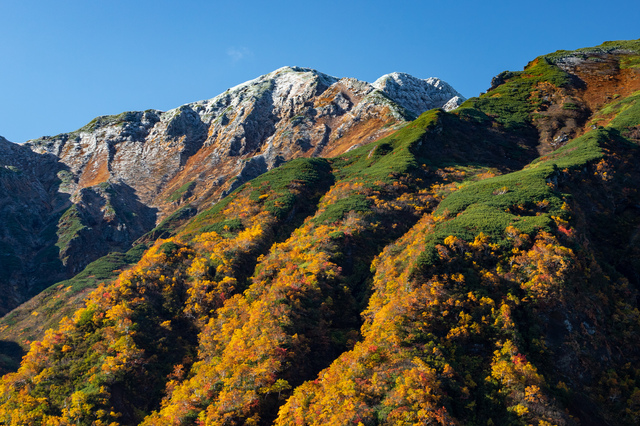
(521, 410)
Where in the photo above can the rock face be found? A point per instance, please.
(600, 76)
(29, 204)
(106, 184)
(418, 95)
(288, 113)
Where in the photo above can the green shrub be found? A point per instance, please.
(178, 193)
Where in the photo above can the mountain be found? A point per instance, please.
(473, 266)
(75, 197)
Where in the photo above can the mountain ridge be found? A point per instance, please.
(122, 175)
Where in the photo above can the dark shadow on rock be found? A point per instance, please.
(187, 126)
(111, 217)
(30, 207)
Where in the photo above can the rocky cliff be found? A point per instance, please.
(30, 205)
(248, 129)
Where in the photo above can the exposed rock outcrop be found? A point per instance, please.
(288, 113)
(418, 95)
(30, 204)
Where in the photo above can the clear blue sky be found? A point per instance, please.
(65, 62)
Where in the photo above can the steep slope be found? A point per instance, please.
(479, 266)
(517, 302)
(100, 188)
(30, 208)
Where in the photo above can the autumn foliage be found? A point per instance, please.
(409, 281)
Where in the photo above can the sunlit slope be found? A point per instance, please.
(515, 302)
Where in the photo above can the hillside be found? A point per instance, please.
(473, 266)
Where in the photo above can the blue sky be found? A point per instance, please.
(68, 61)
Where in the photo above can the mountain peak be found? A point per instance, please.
(283, 73)
(418, 95)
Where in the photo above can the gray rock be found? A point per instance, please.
(414, 94)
